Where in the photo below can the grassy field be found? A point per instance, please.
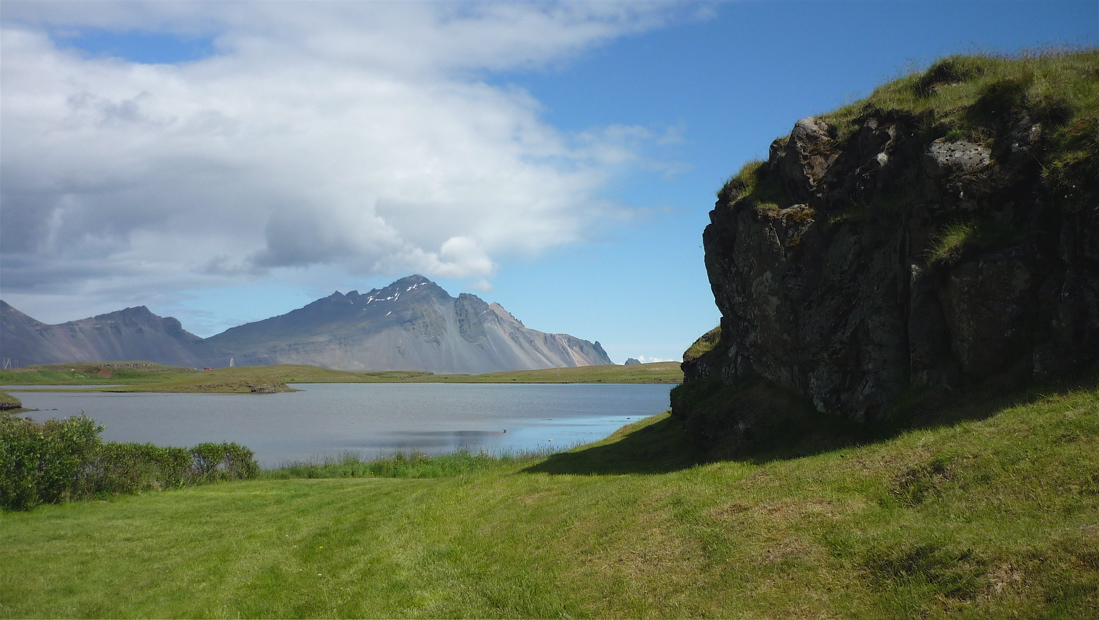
(992, 512)
(147, 377)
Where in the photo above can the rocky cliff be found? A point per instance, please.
(943, 233)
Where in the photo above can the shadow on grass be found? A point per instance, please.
(663, 444)
(653, 446)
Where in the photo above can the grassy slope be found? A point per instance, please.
(992, 515)
(155, 378)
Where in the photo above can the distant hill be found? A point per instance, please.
(412, 324)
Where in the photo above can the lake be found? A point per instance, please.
(369, 420)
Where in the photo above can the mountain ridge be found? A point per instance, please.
(411, 324)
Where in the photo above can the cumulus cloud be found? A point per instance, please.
(358, 135)
(644, 359)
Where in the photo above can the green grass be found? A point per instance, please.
(136, 377)
(402, 465)
(655, 372)
(991, 512)
(705, 343)
(978, 98)
(966, 94)
(80, 373)
(9, 402)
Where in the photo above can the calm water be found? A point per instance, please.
(368, 420)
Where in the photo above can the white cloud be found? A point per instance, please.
(360, 135)
(644, 359)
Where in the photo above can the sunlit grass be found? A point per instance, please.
(404, 465)
(992, 513)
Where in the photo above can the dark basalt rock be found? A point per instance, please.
(842, 286)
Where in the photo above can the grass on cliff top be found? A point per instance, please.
(966, 92)
(147, 377)
(992, 515)
(705, 343)
(972, 97)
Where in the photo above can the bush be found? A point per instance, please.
(65, 460)
(136, 467)
(222, 461)
(44, 463)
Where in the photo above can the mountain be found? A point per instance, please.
(130, 334)
(940, 235)
(412, 324)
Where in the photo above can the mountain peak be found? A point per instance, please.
(411, 324)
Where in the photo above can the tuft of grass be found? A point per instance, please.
(754, 184)
(948, 243)
(958, 238)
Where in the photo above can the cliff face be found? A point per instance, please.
(892, 248)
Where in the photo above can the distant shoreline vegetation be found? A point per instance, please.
(149, 377)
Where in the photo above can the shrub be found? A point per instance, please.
(136, 467)
(222, 461)
(43, 463)
(20, 452)
(65, 460)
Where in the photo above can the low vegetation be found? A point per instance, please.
(705, 343)
(148, 377)
(65, 460)
(990, 511)
(656, 372)
(402, 465)
(966, 94)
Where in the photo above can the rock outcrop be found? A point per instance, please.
(871, 255)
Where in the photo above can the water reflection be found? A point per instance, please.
(367, 420)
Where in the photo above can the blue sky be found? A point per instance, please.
(223, 162)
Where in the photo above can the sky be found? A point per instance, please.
(223, 162)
